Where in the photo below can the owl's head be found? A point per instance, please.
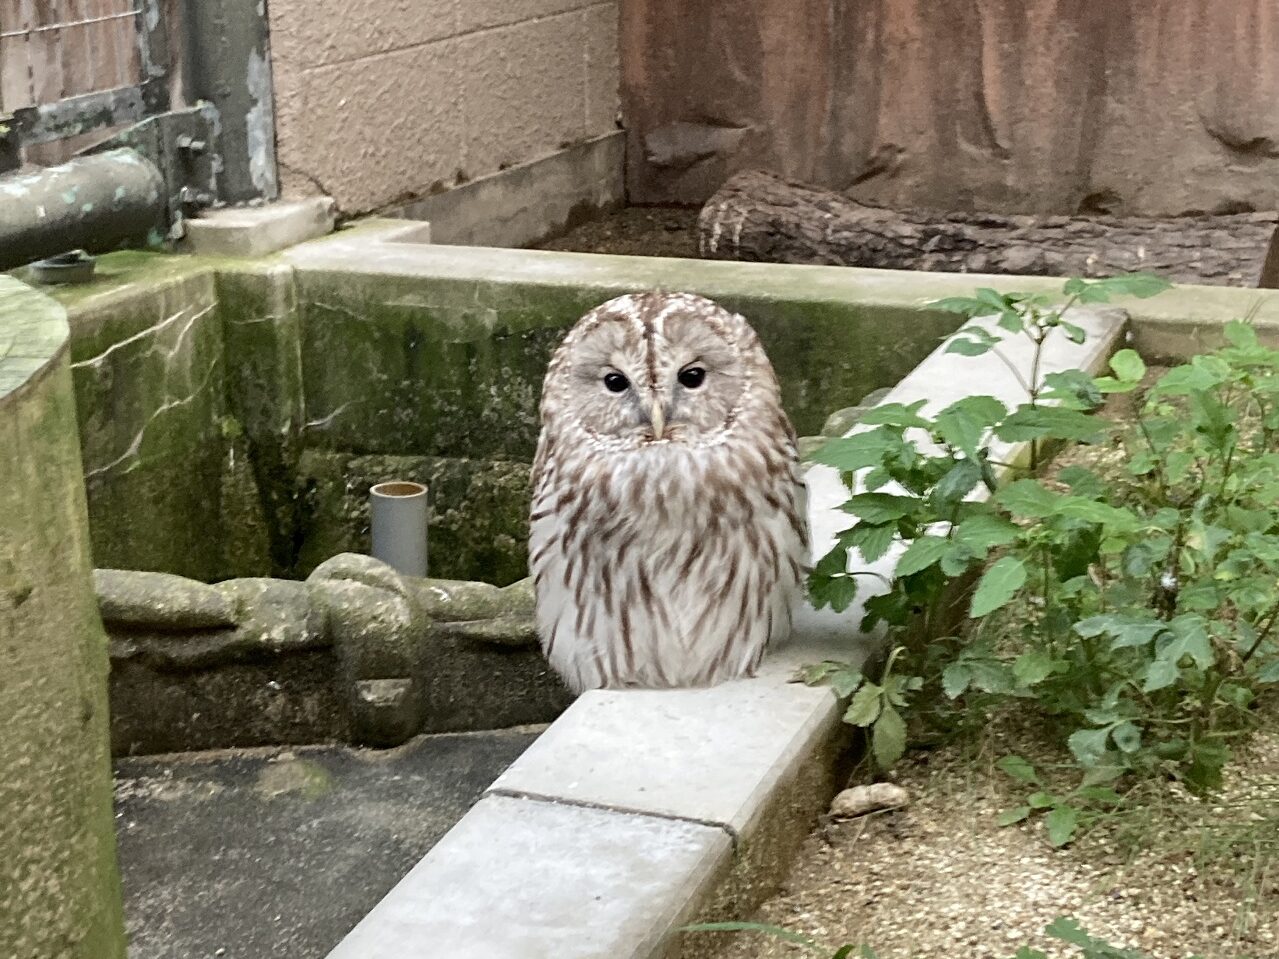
(657, 368)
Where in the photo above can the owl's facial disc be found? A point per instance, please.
(658, 368)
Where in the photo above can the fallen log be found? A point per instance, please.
(760, 217)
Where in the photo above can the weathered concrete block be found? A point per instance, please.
(524, 204)
(522, 879)
(258, 231)
(710, 755)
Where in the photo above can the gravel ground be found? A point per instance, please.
(939, 879)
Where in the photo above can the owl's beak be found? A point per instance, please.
(658, 419)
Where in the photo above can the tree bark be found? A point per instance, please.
(760, 217)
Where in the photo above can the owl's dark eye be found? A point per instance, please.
(616, 382)
(692, 378)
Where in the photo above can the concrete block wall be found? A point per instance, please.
(386, 100)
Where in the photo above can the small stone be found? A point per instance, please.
(860, 800)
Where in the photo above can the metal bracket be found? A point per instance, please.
(181, 145)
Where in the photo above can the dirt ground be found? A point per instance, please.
(634, 231)
(941, 880)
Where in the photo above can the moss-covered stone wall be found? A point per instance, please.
(234, 413)
(59, 889)
(149, 364)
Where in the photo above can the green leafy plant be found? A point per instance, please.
(1136, 605)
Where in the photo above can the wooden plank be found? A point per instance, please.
(15, 69)
(77, 59)
(46, 53)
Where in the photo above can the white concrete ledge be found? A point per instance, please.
(258, 230)
(538, 880)
(636, 810)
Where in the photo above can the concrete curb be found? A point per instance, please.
(637, 810)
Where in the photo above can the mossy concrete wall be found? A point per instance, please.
(234, 413)
(59, 888)
(165, 489)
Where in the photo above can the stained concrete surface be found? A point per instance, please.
(251, 854)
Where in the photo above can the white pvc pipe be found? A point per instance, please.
(397, 512)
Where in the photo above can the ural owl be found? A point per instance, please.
(667, 542)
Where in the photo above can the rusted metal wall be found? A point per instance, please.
(1126, 106)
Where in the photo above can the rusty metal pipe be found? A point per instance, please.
(97, 203)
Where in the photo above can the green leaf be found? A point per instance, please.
(1027, 497)
(1089, 745)
(1127, 736)
(1127, 631)
(829, 584)
(1014, 815)
(880, 507)
(859, 451)
(983, 531)
(1160, 674)
(966, 347)
(1128, 365)
(1033, 667)
(1269, 673)
(865, 707)
(777, 932)
(1026, 952)
(888, 741)
(922, 553)
(1037, 422)
(1073, 333)
(1181, 380)
(897, 414)
(845, 682)
(834, 563)
(1068, 930)
(958, 482)
(998, 585)
(1189, 637)
(815, 673)
(955, 679)
(1018, 768)
(1140, 285)
(965, 305)
(1240, 334)
(964, 424)
(1061, 824)
(871, 540)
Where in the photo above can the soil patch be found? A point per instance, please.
(634, 231)
(941, 880)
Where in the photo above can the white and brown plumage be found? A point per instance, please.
(667, 542)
